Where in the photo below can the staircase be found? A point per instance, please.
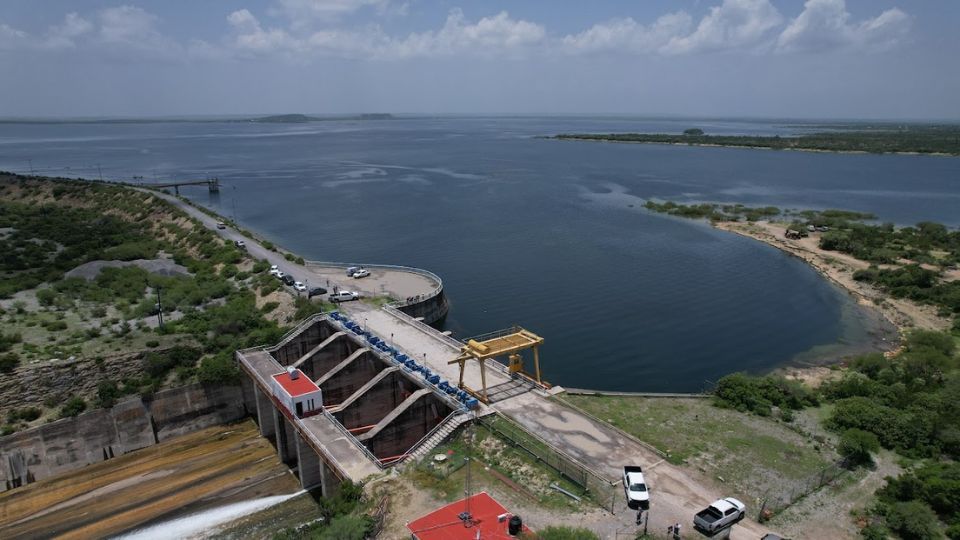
(440, 434)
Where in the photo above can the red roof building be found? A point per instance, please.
(297, 392)
(490, 521)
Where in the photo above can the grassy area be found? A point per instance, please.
(497, 464)
(749, 453)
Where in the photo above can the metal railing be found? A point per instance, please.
(432, 432)
(400, 302)
(425, 328)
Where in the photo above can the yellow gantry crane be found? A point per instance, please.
(507, 343)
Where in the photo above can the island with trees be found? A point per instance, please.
(875, 139)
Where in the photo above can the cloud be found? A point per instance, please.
(11, 38)
(733, 24)
(300, 12)
(496, 34)
(66, 33)
(627, 35)
(825, 25)
(499, 33)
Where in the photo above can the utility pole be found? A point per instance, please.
(159, 305)
(30, 161)
(100, 172)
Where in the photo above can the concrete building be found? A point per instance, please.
(301, 396)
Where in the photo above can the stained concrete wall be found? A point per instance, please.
(408, 427)
(377, 402)
(433, 309)
(299, 345)
(350, 378)
(325, 359)
(64, 445)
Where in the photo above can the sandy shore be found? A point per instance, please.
(839, 268)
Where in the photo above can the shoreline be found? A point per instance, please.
(746, 147)
(838, 268)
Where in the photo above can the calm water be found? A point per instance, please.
(547, 234)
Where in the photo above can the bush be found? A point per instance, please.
(220, 369)
(563, 532)
(347, 528)
(759, 394)
(46, 297)
(152, 343)
(9, 362)
(27, 414)
(107, 394)
(73, 407)
(913, 520)
(260, 266)
(158, 365)
(857, 446)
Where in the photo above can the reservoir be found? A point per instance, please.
(547, 234)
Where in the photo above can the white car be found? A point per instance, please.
(361, 273)
(719, 515)
(274, 270)
(241, 244)
(299, 286)
(635, 488)
(344, 296)
(279, 274)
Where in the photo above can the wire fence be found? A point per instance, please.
(601, 490)
(791, 492)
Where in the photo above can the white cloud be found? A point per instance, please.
(11, 38)
(627, 35)
(66, 33)
(301, 11)
(825, 24)
(733, 24)
(499, 33)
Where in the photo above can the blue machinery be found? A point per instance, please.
(466, 400)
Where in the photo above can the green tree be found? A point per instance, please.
(857, 446)
(73, 407)
(913, 520)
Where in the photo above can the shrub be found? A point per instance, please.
(107, 394)
(73, 407)
(857, 446)
(347, 527)
(269, 306)
(219, 369)
(27, 414)
(260, 266)
(758, 394)
(158, 364)
(562, 532)
(913, 520)
(268, 245)
(152, 343)
(46, 297)
(9, 362)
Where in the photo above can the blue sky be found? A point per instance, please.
(763, 58)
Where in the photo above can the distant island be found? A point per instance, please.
(302, 118)
(911, 139)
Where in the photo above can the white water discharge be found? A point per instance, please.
(195, 525)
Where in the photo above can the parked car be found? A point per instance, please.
(287, 279)
(719, 515)
(221, 225)
(299, 286)
(361, 273)
(279, 274)
(352, 269)
(274, 270)
(316, 291)
(344, 296)
(241, 244)
(635, 488)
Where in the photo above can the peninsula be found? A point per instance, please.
(883, 139)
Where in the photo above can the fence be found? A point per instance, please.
(601, 490)
(771, 503)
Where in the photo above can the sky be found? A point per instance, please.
(817, 59)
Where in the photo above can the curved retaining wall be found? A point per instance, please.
(431, 307)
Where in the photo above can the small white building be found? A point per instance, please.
(297, 392)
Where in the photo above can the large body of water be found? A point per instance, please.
(547, 234)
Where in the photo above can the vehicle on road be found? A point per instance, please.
(221, 225)
(287, 279)
(361, 273)
(344, 296)
(241, 244)
(299, 286)
(316, 291)
(719, 515)
(635, 488)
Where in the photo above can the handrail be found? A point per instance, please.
(433, 431)
(425, 328)
(350, 436)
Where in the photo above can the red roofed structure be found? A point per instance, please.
(490, 521)
(297, 392)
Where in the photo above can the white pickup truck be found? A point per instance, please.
(719, 515)
(635, 488)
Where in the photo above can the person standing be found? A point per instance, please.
(676, 531)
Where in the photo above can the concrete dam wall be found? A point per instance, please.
(98, 435)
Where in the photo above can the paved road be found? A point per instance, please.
(675, 495)
(396, 283)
